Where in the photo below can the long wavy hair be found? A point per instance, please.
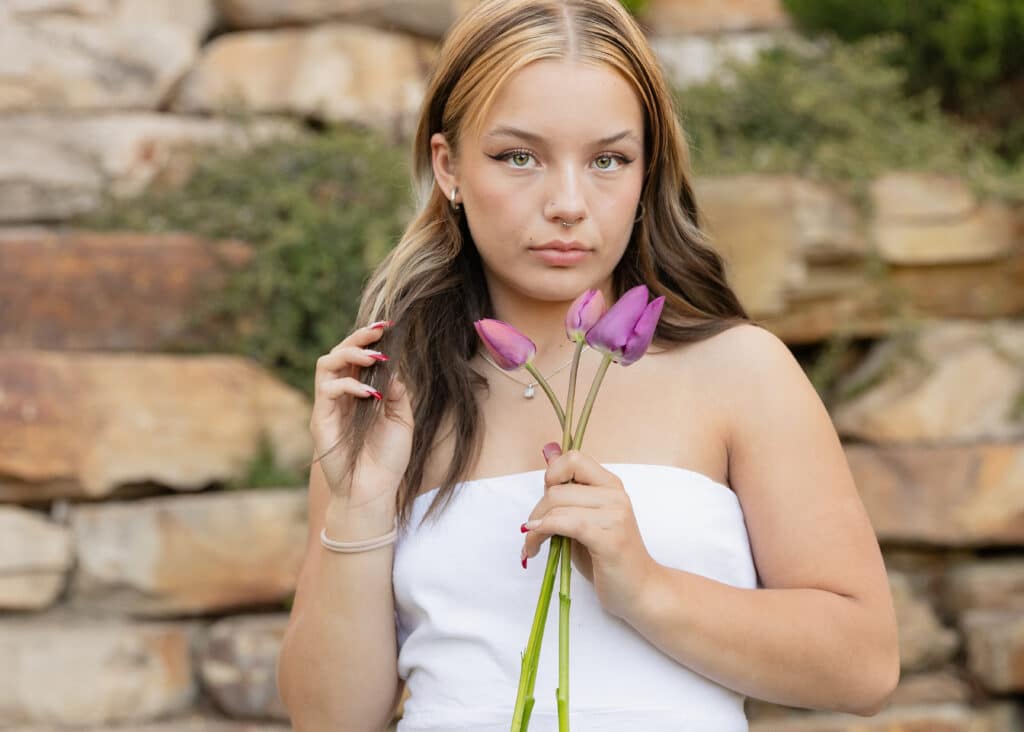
(432, 285)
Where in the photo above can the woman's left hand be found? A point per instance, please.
(596, 512)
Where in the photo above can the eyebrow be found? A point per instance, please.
(534, 138)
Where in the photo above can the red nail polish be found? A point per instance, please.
(382, 324)
(523, 529)
(376, 394)
(524, 562)
(379, 357)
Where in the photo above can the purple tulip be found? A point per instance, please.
(585, 311)
(509, 348)
(627, 329)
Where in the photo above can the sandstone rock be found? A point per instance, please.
(191, 554)
(928, 219)
(430, 18)
(193, 722)
(35, 556)
(996, 717)
(197, 16)
(330, 72)
(924, 642)
(56, 167)
(82, 424)
(238, 665)
(946, 496)
(935, 687)
(995, 648)
(82, 290)
(669, 17)
(101, 57)
(986, 584)
(694, 59)
(74, 672)
(907, 196)
(947, 381)
(980, 290)
(767, 228)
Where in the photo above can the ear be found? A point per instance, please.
(444, 165)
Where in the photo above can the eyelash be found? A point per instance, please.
(519, 151)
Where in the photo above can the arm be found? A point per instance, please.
(337, 668)
(822, 632)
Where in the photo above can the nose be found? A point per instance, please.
(568, 202)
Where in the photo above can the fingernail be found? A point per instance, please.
(378, 357)
(381, 324)
(374, 393)
(551, 450)
(524, 559)
(524, 528)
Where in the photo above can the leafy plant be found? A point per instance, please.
(320, 212)
(832, 111)
(969, 51)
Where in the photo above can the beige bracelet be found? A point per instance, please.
(347, 547)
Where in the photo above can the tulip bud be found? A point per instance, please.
(509, 348)
(585, 311)
(627, 329)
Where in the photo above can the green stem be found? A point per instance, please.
(528, 666)
(570, 398)
(543, 383)
(565, 571)
(563, 595)
(589, 404)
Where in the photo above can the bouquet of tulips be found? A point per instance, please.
(622, 333)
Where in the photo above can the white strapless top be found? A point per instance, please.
(464, 606)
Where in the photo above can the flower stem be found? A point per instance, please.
(565, 571)
(528, 666)
(589, 404)
(543, 383)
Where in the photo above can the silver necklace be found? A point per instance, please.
(528, 392)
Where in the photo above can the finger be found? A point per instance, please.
(574, 522)
(340, 358)
(574, 466)
(570, 494)
(335, 388)
(550, 451)
(365, 336)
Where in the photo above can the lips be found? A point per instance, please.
(564, 246)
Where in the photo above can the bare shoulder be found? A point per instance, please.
(807, 524)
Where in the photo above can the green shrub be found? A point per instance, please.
(832, 111)
(968, 50)
(319, 211)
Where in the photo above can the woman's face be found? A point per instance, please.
(562, 142)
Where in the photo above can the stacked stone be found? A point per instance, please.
(132, 596)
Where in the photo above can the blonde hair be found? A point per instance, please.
(431, 284)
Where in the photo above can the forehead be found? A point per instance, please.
(565, 101)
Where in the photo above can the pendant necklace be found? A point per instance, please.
(528, 392)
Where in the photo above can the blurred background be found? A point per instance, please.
(192, 193)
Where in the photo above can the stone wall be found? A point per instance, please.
(135, 594)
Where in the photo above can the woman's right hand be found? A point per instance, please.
(388, 447)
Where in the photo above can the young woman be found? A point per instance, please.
(721, 545)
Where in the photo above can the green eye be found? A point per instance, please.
(524, 157)
(604, 157)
